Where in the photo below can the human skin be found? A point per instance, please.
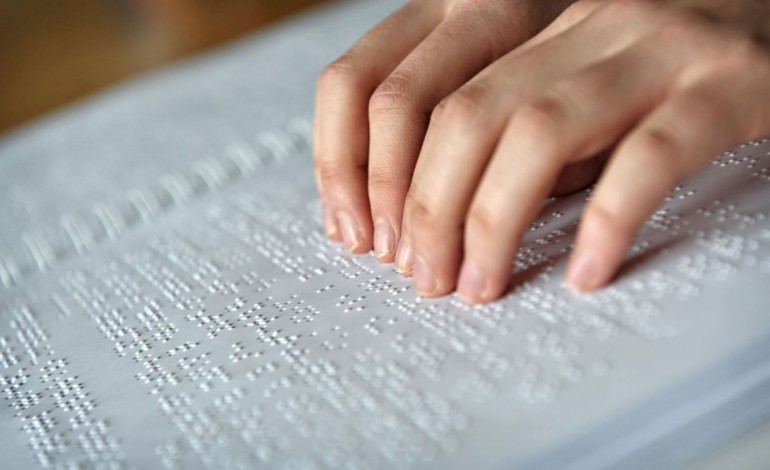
(441, 132)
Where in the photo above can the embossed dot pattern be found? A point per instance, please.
(199, 319)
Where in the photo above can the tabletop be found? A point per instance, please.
(52, 53)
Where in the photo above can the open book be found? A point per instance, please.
(168, 300)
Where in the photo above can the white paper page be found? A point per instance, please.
(170, 299)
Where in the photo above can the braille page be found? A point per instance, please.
(169, 300)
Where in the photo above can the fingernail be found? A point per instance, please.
(351, 235)
(472, 283)
(404, 257)
(384, 238)
(330, 223)
(424, 281)
(582, 273)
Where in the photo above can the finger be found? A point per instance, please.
(465, 42)
(572, 15)
(331, 228)
(463, 133)
(684, 134)
(342, 134)
(501, 213)
(599, 103)
(576, 118)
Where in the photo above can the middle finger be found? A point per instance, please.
(463, 135)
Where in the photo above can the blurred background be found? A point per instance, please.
(55, 51)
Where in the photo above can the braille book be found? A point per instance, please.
(168, 300)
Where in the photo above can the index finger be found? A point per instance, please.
(341, 122)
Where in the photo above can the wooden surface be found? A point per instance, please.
(55, 51)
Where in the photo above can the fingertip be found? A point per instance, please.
(384, 241)
(425, 281)
(477, 286)
(472, 283)
(331, 228)
(404, 257)
(598, 252)
(584, 272)
(352, 233)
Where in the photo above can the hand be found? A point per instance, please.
(667, 85)
(373, 105)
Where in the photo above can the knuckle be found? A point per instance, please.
(568, 94)
(475, 14)
(394, 94)
(737, 53)
(467, 6)
(544, 118)
(341, 72)
(658, 141)
(492, 19)
(380, 179)
(609, 220)
(661, 148)
(420, 211)
(703, 109)
(332, 173)
(684, 27)
(462, 106)
(383, 182)
(484, 221)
